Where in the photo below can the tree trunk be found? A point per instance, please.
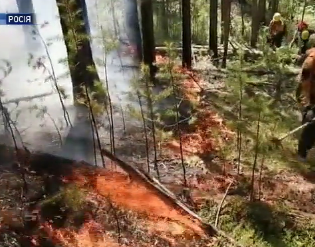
(242, 20)
(274, 5)
(147, 30)
(255, 24)
(133, 27)
(165, 17)
(223, 14)
(213, 32)
(180, 9)
(262, 12)
(82, 67)
(304, 8)
(26, 6)
(186, 34)
(272, 8)
(227, 27)
(86, 17)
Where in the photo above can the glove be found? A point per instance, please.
(308, 113)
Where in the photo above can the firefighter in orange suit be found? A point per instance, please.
(277, 31)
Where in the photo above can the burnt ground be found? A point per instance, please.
(283, 187)
(50, 201)
(75, 204)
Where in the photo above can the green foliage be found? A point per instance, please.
(70, 196)
(75, 38)
(250, 97)
(260, 224)
(168, 23)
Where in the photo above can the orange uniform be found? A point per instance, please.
(276, 27)
(305, 95)
(277, 31)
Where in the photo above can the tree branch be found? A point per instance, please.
(167, 194)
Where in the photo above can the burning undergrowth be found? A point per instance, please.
(78, 206)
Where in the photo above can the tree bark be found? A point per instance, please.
(213, 32)
(274, 5)
(147, 30)
(186, 34)
(31, 32)
(255, 24)
(262, 12)
(227, 27)
(82, 67)
(86, 17)
(223, 14)
(242, 19)
(164, 8)
(133, 27)
(25, 6)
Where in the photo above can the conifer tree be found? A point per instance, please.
(80, 59)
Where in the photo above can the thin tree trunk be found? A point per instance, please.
(223, 14)
(255, 24)
(272, 8)
(274, 5)
(26, 6)
(186, 34)
(165, 17)
(227, 27)
(304, 8)
(146, 10)
(213, 32)
(262, 12)
(243, 20)
(252, 193)
(133, 27)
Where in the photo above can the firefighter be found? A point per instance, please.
(301, 39)
(277, 31)
(305, 95)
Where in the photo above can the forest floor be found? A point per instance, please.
(65, 203)
(74, 205)
(282, 211)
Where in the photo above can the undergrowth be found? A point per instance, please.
(261, 224)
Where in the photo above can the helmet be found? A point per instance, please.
(276, 17)
(302, 25)
(305, 35)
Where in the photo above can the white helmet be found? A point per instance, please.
(277, 17)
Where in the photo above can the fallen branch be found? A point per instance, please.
(204, 50)
(259, 72)
(259, 84)
(27, 98)
(157, 186)
(165, 50)
(221, 204)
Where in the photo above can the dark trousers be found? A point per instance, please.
(304, 47)
(276, 40)
(307, 138)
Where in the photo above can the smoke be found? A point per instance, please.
(37, 129)
(17, 43)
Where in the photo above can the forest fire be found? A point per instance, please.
(91, 234)
(112, 206)
(208, 133)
